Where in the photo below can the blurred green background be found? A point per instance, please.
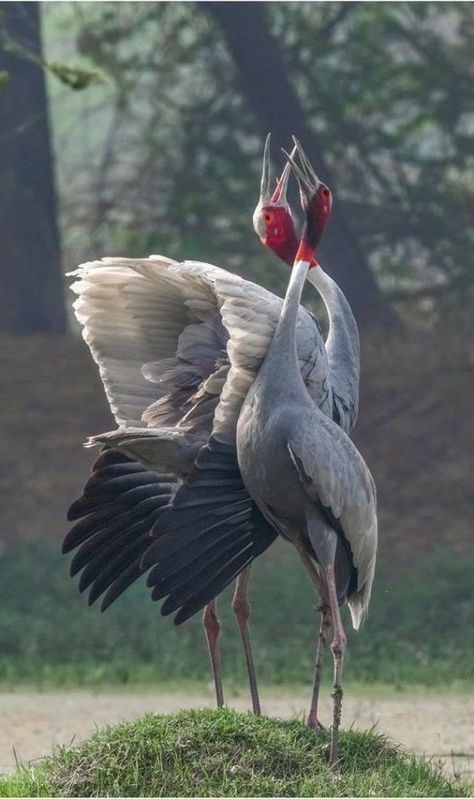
(133, 128)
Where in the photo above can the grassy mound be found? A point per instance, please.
(224, 753)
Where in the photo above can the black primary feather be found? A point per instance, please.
(119, 506)
(208, 534)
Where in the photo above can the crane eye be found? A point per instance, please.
(326, 191)
(267, 217)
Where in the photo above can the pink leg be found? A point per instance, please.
(241, 608)
(338, 648)
(313, 720)
(321, 590)
(212, 629)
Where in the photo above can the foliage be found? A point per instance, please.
(223, 753)
(77, 79)
(171, 159)
(404, 130)
(415, 632)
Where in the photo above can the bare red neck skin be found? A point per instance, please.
(287, 249)
(305, 252)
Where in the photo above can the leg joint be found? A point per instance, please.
(338, 648)
(241, 608)
(211, 621)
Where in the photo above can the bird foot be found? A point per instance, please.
(315, 723)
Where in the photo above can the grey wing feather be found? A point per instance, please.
(343, 353)
(334, 474)
(165, 335)
(250, 315)
(168, 449)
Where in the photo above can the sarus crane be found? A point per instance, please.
(159, 331)
(306, 477)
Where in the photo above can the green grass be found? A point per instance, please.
(224, 753)
(416, 631)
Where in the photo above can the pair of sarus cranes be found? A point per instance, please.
(234, 416)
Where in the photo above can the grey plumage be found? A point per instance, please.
(205, 441)
(306, 476)
(178, 346)
(311, 484)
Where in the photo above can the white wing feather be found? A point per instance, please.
(138, 315)
(132, 313)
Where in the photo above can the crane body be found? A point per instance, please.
(178, 345)
(304, 473)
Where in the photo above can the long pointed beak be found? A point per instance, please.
(265, 180)
(279, 195)
(305, 175)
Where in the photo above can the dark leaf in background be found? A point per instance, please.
(77, 79)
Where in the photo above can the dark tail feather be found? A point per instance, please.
(108, 457)
(201, 582)
(91, 502)
(214, 587)
(120, 504)
(100, 559)
(115, 568)
(197, 571)
(176, 542)
(100, 537)
(126, 579)
(210, 532)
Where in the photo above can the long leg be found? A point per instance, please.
(321, 590)
(338, 648)
(241, 608)
(313, 720)
(212, 629)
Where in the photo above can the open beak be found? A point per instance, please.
(304, 174)
(265, 181)
(279, 195)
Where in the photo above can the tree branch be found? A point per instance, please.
(265, 84)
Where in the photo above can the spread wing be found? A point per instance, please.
(164, 334)
(209, 534)
(250, 315)
(336, 478)
(153, 327)
(212, 529)
(113, 518)
(174, 341)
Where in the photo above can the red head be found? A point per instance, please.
(272, 219)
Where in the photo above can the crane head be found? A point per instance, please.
(316, 198)
(272, 219)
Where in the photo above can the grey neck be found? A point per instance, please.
(334, 299)
(283, 345)
(342, 343)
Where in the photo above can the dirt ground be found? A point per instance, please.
(31, 723)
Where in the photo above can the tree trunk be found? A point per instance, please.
(264, 83)
(31, 296)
